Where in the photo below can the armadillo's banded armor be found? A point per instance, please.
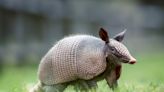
(71, 58)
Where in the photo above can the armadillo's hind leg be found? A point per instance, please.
(81, 86)
(92, 85)
(85, 86)
(50, 89)
(55, 88)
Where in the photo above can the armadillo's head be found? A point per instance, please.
(116, 48)
(121, 52)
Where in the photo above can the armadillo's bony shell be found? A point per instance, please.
(74, 57)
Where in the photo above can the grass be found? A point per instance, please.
(16, 79)
(147, 75)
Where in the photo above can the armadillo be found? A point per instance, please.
(119, 53)
(81, 57)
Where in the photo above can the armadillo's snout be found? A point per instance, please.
(132, 61)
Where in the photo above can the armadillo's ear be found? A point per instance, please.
(120, 36)
(104, 35)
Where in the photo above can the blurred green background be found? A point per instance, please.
(28, 28)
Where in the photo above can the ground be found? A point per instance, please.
(147, 75)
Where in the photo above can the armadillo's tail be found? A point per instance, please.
(37, 88)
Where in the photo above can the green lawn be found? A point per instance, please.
(147, 75)
(17, 79)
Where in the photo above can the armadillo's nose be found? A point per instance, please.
(132, 61)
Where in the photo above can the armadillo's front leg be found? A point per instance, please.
(111, 80)
(113, 77)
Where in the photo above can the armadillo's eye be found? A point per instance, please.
(113, 49)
